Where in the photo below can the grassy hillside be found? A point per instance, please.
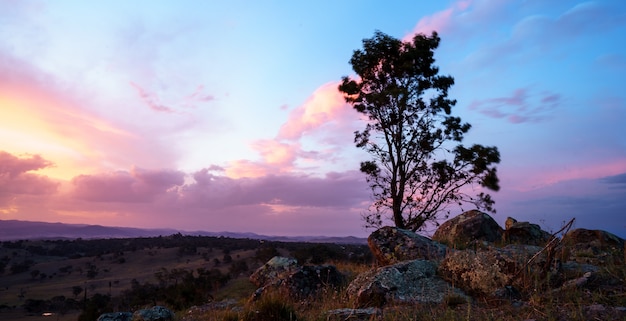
(65, 276)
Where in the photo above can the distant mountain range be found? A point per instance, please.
(11, 230)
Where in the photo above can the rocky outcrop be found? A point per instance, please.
(277, 268)
(524, 233)
(156, 313)
(301, 281)
(406, 282)
(471, 226)
(593, 246)
(115, 316)
(485, 271)
(391, 245)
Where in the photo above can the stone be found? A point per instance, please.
(461, 231)
(301, 281)
(115, 316)
(276, 268)
(509, 222)
(525, 233)
(392, 245)
(487, 271)
(595, 247)
(156, 313)
(310, 278)
(405, 282)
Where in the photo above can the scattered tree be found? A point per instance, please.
(76, 290)
(416, 172)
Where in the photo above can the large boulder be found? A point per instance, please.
(301, 281)
(277, 268)
(524, 233)
(471, 226)
(593, 246)
(486, 271)
(156, 313)
(405, 282)
(391, 245)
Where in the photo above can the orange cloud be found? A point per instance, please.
(277, 157)
(35, 119)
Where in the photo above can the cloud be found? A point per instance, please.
(189, 101)
(324, 121)
(151, 99)
(442, 22)
(138, 185)
(326, 105)
(16, 178)
(616, 181)
(520, 107)
(537, 36)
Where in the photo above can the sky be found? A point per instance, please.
(225, 115)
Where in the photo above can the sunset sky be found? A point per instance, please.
(225, 115)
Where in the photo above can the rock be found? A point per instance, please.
(405, 282)
(275, 269)
(485, 271)
(310, 278)
(596, 247)
(524, 233)
(392, 245)
(156, 313)
(576, 283)
(354, 314)
(461, 231)
(285, 273)
(509, 222)
(115, 316)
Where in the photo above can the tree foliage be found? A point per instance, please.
(419, 167)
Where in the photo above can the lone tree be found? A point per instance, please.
(419, 168)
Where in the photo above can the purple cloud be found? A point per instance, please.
(520, 107)
(138, 185)
(15, 178)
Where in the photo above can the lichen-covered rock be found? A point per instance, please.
(301, 281)
(468, 227)
(406, 282)
(115, 316)
(308, 279)
(593, 246)
(525, 233)
(156, 313)
(391, 245)
(276, 268)
(485, 271)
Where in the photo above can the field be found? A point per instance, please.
(60, 277)
(206, 278)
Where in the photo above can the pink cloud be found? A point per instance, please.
(189, 101)
(324, 118)
(151, 99)
(443, 22)
(325, 105)
(16, 178)
(138, 185)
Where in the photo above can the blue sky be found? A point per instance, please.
(225, 116)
